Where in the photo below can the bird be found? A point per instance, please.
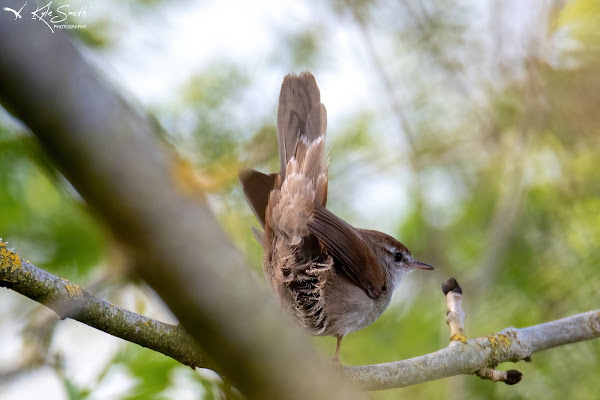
(331, 277)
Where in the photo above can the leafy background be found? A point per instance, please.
(467, 129)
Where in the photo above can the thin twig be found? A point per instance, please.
(455, 317)
(477, 356)
(510, 377)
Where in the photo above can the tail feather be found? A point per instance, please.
(300, 116)
(284, 201)
(313, 163)
(316, 123)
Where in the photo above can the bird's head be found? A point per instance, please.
(393, 255)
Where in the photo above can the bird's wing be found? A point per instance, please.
(356, 259)
(257, 187)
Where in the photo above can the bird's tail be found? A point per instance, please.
(301, 128)
(286, 200)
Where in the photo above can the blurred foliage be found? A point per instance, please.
(150, 369)
(502, 180)
(40, 213)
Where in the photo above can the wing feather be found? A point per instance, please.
(353, 255)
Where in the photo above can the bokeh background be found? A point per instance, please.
(468, 129)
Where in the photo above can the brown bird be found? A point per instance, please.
(333, 278)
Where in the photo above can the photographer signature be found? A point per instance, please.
(51, 17)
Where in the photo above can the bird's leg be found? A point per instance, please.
(336, 356)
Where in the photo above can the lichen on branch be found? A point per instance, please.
(69, 300)
(478, 356)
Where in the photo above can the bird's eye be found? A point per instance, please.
(398, 256)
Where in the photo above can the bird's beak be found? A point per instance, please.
(419, 265)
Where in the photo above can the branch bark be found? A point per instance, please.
(69, 300)
(111, 154)
(476, 356)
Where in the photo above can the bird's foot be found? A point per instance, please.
(335, 361)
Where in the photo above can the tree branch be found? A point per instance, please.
(112, 155)
(68, 300)
(477, 356)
